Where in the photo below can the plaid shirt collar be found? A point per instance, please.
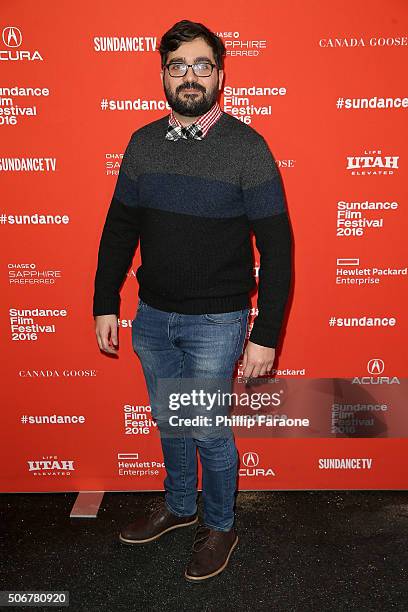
(198, 129)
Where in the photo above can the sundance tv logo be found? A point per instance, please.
(125, 44)
(252, 468)
(12, 38)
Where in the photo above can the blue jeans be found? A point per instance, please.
(174, 345)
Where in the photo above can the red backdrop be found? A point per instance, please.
(323, 82)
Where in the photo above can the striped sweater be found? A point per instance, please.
(192, 205)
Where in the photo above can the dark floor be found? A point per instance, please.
(298, 551)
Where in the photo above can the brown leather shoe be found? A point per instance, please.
(211, 552)
(155, 522)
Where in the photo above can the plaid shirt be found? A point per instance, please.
(198, 129)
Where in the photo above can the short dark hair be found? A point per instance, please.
(186, 30)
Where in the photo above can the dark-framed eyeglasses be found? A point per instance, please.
(200, 69)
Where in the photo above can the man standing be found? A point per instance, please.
(191, 186)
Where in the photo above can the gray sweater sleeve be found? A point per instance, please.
(266, 209)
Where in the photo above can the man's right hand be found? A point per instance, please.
(106, 329)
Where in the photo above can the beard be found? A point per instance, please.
(191, 105)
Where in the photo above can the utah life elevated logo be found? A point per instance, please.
(12, 38)
(51, 466)
(372, 163)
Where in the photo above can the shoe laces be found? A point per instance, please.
(205, 536)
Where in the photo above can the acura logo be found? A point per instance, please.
(375, 366)
(12, 37)
(250, 459)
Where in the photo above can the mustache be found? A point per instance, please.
(191, 86)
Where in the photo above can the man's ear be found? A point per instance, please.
(220, 79)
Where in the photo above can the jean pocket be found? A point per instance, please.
(139, 307)
(224, 317)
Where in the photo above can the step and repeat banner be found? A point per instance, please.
(324, 84)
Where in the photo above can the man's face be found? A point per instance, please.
(190, 95)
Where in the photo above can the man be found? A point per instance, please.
(191, 186)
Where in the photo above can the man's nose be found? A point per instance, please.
(189, 71)
(189, 77)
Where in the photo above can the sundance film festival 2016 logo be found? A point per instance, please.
(138, 420)
(11, 110)
(355, 218)
(24, 326)
(12, 38)
(238, 101)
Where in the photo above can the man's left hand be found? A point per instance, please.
(257, 360)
